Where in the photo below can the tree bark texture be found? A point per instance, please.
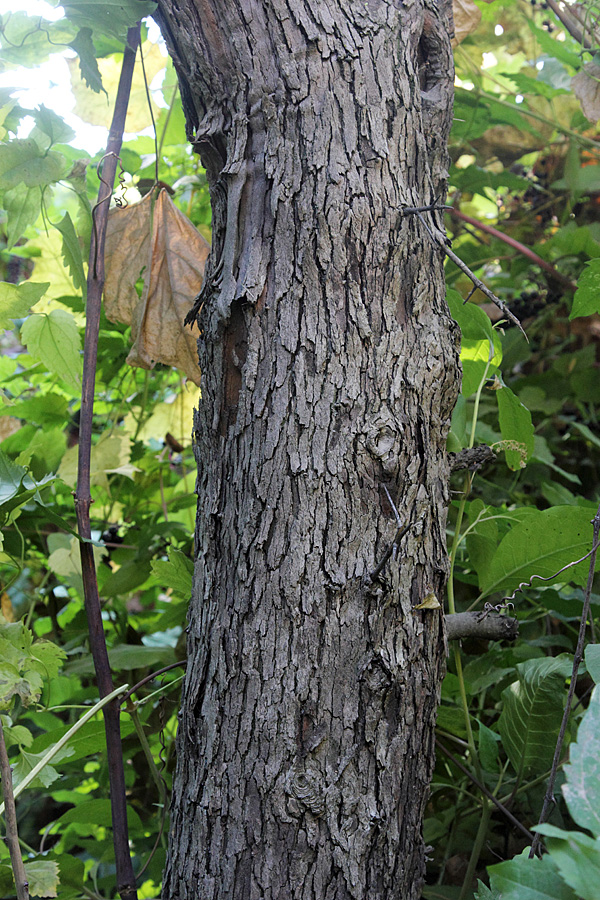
(330, 371)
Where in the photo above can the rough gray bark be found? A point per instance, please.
(330, 369)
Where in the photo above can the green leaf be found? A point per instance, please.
(22, 205)
(582, 787)
(541, 545)
(50, 128)
(112, 18)
(54, 339)
(176, 573)
(29, 40)
(516, 428)
(577, 858)
(26, 761)
(486, 893)
(126, 579)
(97, 812)
(586, 301)
(553, 47)
(11, 477)
(88, 64)
(22, 161)
(532, 713)
(17, 299)
(522, 878)
(592, 661)
(72, 253)
(43, 878)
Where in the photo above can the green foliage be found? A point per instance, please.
(525, 164)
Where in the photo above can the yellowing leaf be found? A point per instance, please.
(97, 109)
(49, 266)
(175, 418)
(155, 234)
(109, 455)
(466, 19)
(429, 602)
(42, 875)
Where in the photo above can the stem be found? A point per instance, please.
(486, 813)
(95, 284)
(10, 815)
(517, 245)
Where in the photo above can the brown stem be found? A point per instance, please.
(517, 245)
(95, 284)
(578, 656)
(570, 23)
(10, 816)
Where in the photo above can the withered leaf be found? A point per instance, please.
(466, 19)
(586, 85)
(155, 240)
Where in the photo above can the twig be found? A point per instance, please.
(578, 656)
(393, 547)
(570, 24)
(505, 812)
(10, 817)
(95, 284)
(442, 241)
(493, 627)
(176, 665)
(516, 245)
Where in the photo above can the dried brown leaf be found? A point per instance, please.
(154, 236)
(586, 85)
(466, 19)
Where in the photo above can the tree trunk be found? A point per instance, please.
(330, 370)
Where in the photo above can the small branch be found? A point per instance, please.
(569, 23)
(95, 285)
(442, 241)
(10, 817)
(472, 458)
(492, 627)
(517, 245)
(578, 656)
(176, 665)
(505, 812)
(393, 547)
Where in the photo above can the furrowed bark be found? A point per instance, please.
(330, 369)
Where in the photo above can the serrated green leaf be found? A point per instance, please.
(577, 858)
(50, 128)
(22, 205)
(516, 428)
(22, 161)
(532, 713)
(43, 878)
(541, 545)
(586, 301)
(26, 761)
(88, 64)
(17, 299)
(54, 339)
(11, 477)
(176, 573)
(29, 40)
(72, 253)
(522, 878)
(582, 787)
(592, 661)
